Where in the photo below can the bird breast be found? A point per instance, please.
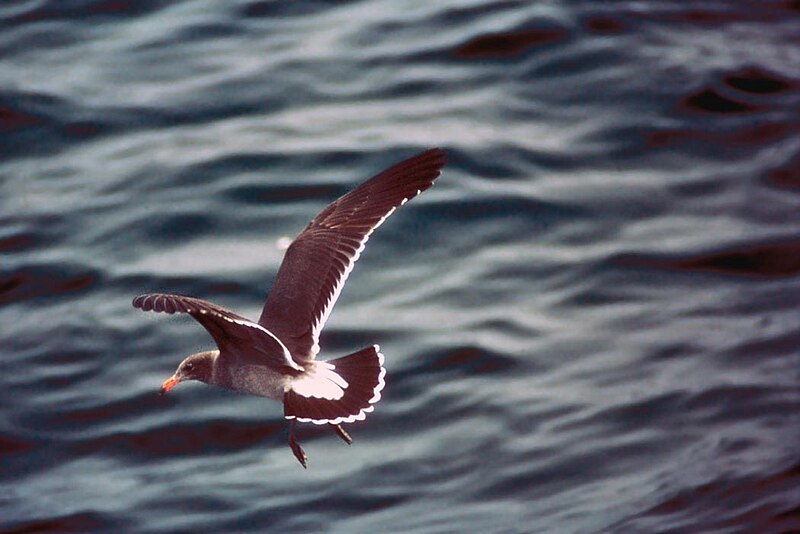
(258, 380)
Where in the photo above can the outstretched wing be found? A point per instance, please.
(233, 333)
(317, 263)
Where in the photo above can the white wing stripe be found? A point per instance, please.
(334, 296)
(286, 356)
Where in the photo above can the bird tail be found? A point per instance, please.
(337, 391)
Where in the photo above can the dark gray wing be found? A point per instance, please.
(317, 263)
(233, 333)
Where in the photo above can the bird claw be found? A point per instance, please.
(298, 453)
(296, 448)
(342, 434)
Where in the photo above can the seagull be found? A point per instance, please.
(275, 357)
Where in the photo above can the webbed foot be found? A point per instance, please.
(341, 433)
(296, 448)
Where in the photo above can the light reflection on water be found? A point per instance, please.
(589, 322)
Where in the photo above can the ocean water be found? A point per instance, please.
(591, 321)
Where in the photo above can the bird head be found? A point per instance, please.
(196, 367)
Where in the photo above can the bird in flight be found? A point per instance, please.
(275, 357)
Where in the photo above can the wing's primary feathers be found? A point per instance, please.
(318, 262)
(227, 328)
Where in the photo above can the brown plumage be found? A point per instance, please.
(276, 356)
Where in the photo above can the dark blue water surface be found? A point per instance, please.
(591, 323)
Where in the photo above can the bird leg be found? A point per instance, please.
(341, 433)
(295, 446)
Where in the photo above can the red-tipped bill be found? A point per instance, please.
(169, 383)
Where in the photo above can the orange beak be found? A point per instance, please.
(169, 383)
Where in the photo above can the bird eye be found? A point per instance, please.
(189, 366)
